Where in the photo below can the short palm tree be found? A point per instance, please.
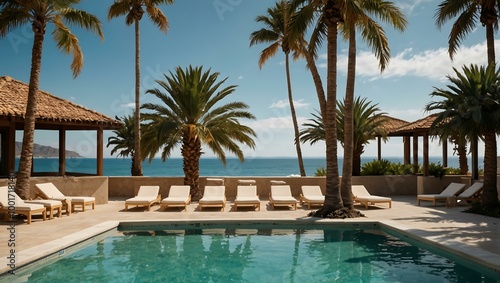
(123, 141)
(133, 11)
(41, 13)
(367, 126)
(278, 33)
(191, 115)
(471, 105)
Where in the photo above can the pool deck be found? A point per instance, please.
(470, 235)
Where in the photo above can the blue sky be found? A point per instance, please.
(215, 34)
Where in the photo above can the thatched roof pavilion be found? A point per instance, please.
(389, 125)
(53, 113)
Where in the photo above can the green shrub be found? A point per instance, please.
(320, 172)
(453, 171)
(400, 169)
(376, 167)
(437, 170)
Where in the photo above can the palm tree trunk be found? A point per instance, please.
(356, 161)
(462, 155)
(490, 193)
(191, 153)
(137, 164)
(490, 43)
(311, 64)
(333, 200)
(294, 117)
(348, 120)
(26, 161)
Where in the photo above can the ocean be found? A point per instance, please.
(208, 166)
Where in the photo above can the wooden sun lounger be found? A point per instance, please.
(281, 195)
(10, 203)
(178, 196)
(311, 195)
(362, 196)
(213, 196)
(146, 196)
(246, 196)
(50, 191)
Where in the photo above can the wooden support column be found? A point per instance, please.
(100, 152)
(426, 154)
(11, 156)
(415, 153)
(379, 147)
(62, 151)
(475, 163)
(445, 152)
(406, 150)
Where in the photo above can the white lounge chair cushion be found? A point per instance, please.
(282, 194)
(45, 202)
(140, 200)
(312, 194)
(18, 203)
(213, 195)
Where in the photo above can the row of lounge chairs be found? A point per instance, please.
(246, 195)
(48, 200)
(453, 194)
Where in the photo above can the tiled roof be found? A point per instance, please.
(420, 125)
(14, 97)
(391, 123)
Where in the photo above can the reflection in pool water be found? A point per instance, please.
(253, 255)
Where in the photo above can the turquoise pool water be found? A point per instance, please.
(252, 255)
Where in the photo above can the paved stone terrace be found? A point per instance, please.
(463, 233)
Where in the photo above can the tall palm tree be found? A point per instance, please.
(133, 11)
(358, 13)
(189, 116)
(471, 105)
(277, 33)
(349, 14)
(467, 15)
(330, 15)
(123, 141)
(40, 13)
(367, 126)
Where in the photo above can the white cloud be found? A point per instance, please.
(129, 105)
(408, 6)
(431, 64)
(283, 103)
(240, 77)
(275, 123)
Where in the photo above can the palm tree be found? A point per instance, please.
(467, 15)
(133, 11)
(358, 14)
(348, 13)
(367, 126)
(123, 141)
(330, 15)
(40, 13)
(189, 116)
(277, 33)
(471, 105)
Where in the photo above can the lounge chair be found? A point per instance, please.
(52, 206)
(451, 191)
(10, 203)
(281, 195)
(178, 196)
(362, 196)
(246, 196)
(146, 196)
(50, 191)
(214, 196)
(470, 194)
(311, 195)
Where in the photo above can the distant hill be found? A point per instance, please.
(45, 151)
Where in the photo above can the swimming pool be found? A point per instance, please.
(252, 252)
